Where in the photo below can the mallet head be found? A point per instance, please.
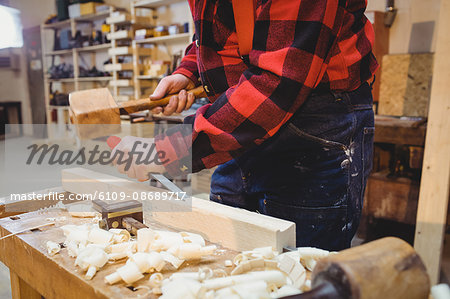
(94, 112)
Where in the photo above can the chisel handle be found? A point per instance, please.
(147, 104)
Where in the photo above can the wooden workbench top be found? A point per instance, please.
(57, 276)
(396, 130)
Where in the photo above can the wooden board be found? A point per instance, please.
(434, 190)
(405, 84)
(55, 276)
(234, 228)
(8, 208)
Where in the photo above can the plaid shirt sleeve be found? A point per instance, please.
(188, 65)
(292, 46)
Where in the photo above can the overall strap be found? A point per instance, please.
(244, 18)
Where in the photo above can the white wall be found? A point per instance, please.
(409, 12)
(34, 12)
(14, 84)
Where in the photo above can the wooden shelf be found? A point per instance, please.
(84, 49)
(94, 48)
(62, 80)
(145, 77)
(120, 51)
(123, 51)
(57, 25)
(166, 38)
(94, 79)
(118, 67)
(154, 3)
(80, 79)
(122, 34)
(121, 83)
(127, 19)
(59, 52)
(81, 19)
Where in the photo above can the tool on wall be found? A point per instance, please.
(390, 14)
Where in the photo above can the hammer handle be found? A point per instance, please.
(147, 104)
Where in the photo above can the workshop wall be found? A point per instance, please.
(414, 30)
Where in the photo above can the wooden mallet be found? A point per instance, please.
(382, 269)
(97, 107)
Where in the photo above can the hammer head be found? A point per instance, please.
(94, 107)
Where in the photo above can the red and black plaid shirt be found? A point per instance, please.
(298, 45)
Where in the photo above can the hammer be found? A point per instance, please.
(97, 106)
(382, 269)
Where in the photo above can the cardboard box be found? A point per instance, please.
(88, 8)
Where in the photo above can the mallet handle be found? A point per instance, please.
(147, 104)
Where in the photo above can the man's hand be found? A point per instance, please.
(136, 157)
(173, 84)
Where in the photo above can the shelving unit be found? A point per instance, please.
(154, 44)
(122, 82)
(71, 56)
(126, 81)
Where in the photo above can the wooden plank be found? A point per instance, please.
(434, 190)
(233, 228)
(9, 208)
(55, 276)
(22, 290)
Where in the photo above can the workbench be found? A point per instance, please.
(34, 272)
(32, 268)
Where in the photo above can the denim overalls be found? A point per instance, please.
(312, 172)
